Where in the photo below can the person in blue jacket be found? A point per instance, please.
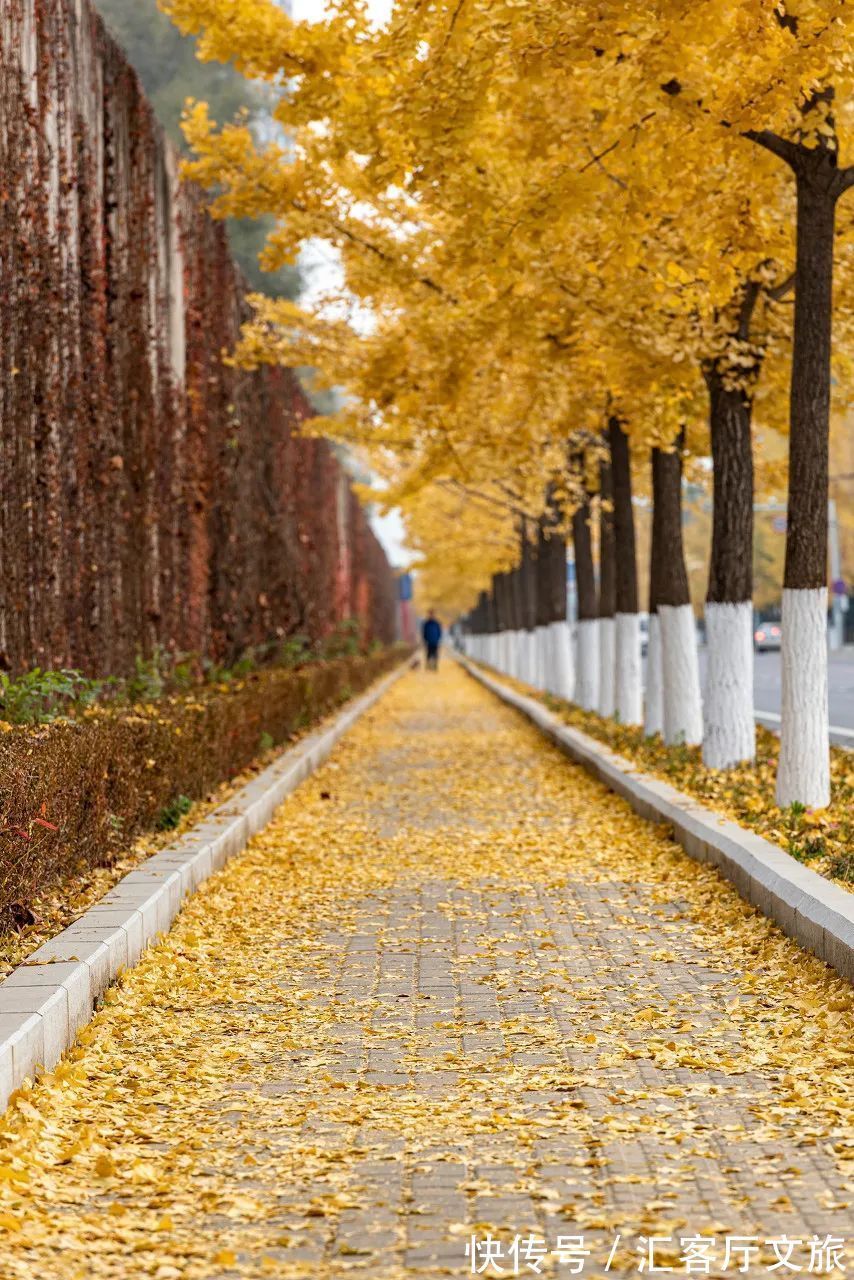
(431, 633)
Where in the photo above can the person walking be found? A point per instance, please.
(431, 633)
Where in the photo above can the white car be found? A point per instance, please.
(767, 632)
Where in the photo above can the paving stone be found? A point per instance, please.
(463, 1050)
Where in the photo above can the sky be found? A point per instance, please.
(322, 271)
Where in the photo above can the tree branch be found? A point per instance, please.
(599, 165)
(354, 238)
(600, 155)
(780, 290)
(749, 299)
(780, 147)
(478, 496)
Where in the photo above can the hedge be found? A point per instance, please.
(76, 791)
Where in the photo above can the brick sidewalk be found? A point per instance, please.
(456, 988)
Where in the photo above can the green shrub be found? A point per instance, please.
(78, 790)
(38, 697)
(173, 813)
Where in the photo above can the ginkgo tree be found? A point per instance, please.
(548, 305)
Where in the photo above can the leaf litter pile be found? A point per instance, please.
(823, 839)
(455, 987)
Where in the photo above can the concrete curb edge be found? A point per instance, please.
(46, 1000)
(812, 910)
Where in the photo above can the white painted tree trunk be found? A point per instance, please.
(541, 657)
(653, 707)
(536, 659)
(683, 710)
(561, 673)
(607, 666)
(506, 641)
(729, 729)
(510, 653)
(522, 658)
(545, 634)
(803, 774)
(519, 654)
(587, 666)
(628, 695)
(531, 658)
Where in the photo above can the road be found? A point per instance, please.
(840, 689)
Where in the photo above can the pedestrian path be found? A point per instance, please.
(455, 990)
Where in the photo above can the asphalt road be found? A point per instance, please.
(840, 688)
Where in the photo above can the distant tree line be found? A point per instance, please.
(166, 63)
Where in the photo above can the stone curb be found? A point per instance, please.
(814, 911)
(48, 998)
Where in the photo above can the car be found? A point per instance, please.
(644, 633)
(767, 630)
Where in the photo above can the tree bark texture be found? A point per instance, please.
(551, 573)
(607, 555)
(585, 581)
(515, 593)
(529, 583)
(809, 411)
(498, 595)
(491, 619)
(624, 520)
(670, 574)
(731, 561)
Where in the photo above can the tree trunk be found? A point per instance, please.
(541, 662)
(804, 770)
(529, 582)
(498, 597)
(529, 604)
(653, 707)
(628, 694)
(507, 619)
(553, 576)
(729, 728)
(560, 674)
(516, 623)
(607, 592)
(587, 666)
(542, 572)
(479, 627)
(683, 716)
(498, 615)
(552, 629)
(491, 625)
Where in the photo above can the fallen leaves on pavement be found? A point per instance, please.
(456, 985)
